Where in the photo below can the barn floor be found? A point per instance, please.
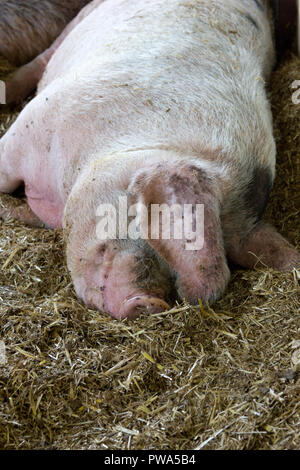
(227, 378)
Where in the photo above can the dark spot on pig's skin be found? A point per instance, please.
(150, 275)
(257, 193)
(249, 18)
(101, 249)
(178, 183)
(203, 179)
(200, 174)
(200, 181)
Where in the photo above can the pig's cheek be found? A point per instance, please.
(93, 277)
(94, 298)
(79, 286)
(88, 286)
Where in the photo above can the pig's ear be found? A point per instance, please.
(189, 237)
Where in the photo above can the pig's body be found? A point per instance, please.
(157, 101)
(155, 76)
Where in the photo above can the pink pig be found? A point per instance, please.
(158, 102)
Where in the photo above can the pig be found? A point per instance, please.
(156, 103)
(28, 27)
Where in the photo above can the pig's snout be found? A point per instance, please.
(125, 281)
(144, 304)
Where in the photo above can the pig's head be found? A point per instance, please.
(144, 269)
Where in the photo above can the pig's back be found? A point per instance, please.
(211, 30)
(180, 74)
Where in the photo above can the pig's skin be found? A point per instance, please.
(28, 27)
(165, 102)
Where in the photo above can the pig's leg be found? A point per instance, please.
(12, 208)
(264, 247)
(8, 182)
(249, 241)
(27, 77)
(200, 264)
(10, 179)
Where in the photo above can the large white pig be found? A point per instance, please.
(158, 102)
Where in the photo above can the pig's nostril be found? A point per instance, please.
(143, 304)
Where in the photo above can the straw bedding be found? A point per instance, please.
(193, 378)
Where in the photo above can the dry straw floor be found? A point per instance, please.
(193, 378)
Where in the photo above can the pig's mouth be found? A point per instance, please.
(143, 304)
(131, 307)
(135, 304)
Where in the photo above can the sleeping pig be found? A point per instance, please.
(155, 104)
